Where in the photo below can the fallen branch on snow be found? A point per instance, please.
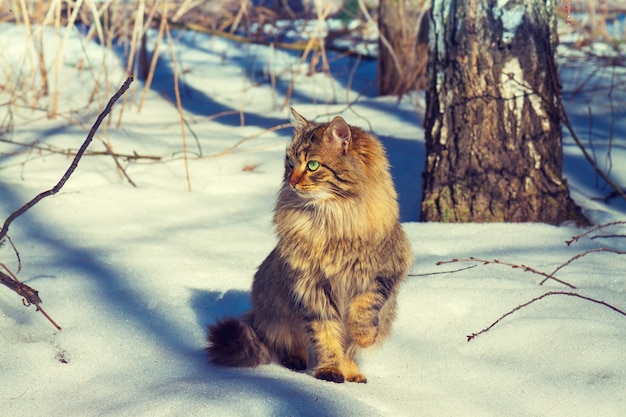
(591, 230)
(29, 294)
(550, 293)
(550, 276)
(526, 268)
(74, 164)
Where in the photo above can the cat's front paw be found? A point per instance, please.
(364, 336)
(359, 378)
(329, 373)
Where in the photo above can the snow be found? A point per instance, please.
(134, 275)
(510, 16)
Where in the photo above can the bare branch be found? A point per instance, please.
(247, 138)
(31, 295)
(117, 163)
(526, 268)
(17, 253)
(585, 253)
(593, 229)
(606, 236)
(442, 272)
(73, 166)
(617, 189)
(550, 293)
(70, 152)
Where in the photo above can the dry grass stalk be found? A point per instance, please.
(315, 47)
(155, 57)
(137, 34)
(179, 105)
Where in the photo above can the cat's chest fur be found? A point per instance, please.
(336, 217)
(330, 246)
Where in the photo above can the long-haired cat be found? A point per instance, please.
(329, 287)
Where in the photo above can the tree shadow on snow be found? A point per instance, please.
(111, 286)
(197, 101)
(406, 156)
(284, 396)
(211, 306)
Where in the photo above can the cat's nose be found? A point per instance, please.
(294, 179)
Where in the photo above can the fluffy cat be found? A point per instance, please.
(329, 287)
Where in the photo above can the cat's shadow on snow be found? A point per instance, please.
(210, 306)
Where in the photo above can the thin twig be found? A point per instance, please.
(585, 253)
(117, 163)
(153, 61)
(606, 236)
(427, 274)
(71, 152)
(294, 46)
(247, 138)
(526, 268)
(383, 39)
(17, 253)
(179, 105)
(73, 166)
(593, 229)
(31, 295)
(618, 190)
(519, 307)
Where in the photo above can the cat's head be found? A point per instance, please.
(320, 162)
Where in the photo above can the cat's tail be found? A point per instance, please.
(234, 343)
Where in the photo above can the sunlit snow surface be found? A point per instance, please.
(134, 275)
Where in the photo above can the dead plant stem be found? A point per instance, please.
(541, 297)
(580, 255)
(247, 138)
(593, 229)
(74, 164)
(179, 105)
(525, 268)
(134, 41)
(153, 62)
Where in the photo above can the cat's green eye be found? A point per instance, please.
(290, 162)
(313, 165)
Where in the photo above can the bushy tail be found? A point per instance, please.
(236, 344)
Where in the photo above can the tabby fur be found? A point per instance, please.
(329, 287)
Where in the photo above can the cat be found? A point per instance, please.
(329, 287)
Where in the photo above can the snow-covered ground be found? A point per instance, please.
(135, 274)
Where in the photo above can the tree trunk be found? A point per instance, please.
(492, 125)
(402, 46)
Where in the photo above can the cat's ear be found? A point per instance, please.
(340, 134)
(297, 120)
